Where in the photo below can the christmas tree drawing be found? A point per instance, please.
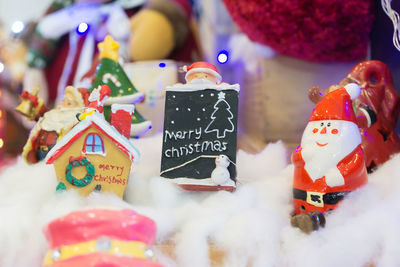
(221, 118)
(110, 72)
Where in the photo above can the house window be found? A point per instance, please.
(93, 144)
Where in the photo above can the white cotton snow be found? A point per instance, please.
(251, 225)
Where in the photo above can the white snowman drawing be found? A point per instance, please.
(220, 175)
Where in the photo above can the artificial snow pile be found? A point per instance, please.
(251, 225)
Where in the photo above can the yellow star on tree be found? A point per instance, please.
(109, 48)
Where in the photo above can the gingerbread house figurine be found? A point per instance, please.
(103, 149)
(101, 237)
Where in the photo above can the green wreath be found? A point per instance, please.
(75, 162)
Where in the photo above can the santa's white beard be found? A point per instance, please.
(201, 81)
(319, 160)
(59, 118)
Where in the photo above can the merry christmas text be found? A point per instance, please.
(191, 147)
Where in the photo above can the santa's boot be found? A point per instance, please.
(308, 222)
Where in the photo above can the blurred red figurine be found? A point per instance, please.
(101, 237)
(377, 109)
(330, 162)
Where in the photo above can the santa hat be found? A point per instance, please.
(101, 236)
(337, 105)
(202, 66)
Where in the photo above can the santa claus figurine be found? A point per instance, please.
(377, 110)
(202, 73)
(52, 124)
(329, 163)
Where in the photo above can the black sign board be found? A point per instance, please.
(198, 126)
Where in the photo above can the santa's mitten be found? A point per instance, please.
(334, 178)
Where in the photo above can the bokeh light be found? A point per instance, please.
(17, 27)
(82, 28)
(223, 57)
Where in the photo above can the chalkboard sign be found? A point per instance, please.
(200, 123)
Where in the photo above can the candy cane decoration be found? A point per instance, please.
(109, 76)
(394, 16)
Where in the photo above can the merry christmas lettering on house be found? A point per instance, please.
(96, 155)
(200, 125)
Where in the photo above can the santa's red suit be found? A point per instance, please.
(315, 194)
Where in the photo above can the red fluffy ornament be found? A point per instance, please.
(313, 30)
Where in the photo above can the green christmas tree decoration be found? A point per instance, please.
(110, 72)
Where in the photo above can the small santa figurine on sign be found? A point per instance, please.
(329, 163)
(202, 73)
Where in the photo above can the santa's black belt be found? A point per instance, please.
(319, 199)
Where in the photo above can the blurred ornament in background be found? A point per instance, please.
(319, 31)
(248, 52)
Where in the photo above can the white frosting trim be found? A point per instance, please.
(197, 87)
(126, 107)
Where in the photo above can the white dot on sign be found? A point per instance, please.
(188, 109)
(177, 109)
(201, 95)
(172, 122)
(17, 27)
(173, 96)
(204, 109)
(212, 94)
(198, 119)
(1, 67)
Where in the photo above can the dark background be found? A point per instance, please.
(382, 47)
